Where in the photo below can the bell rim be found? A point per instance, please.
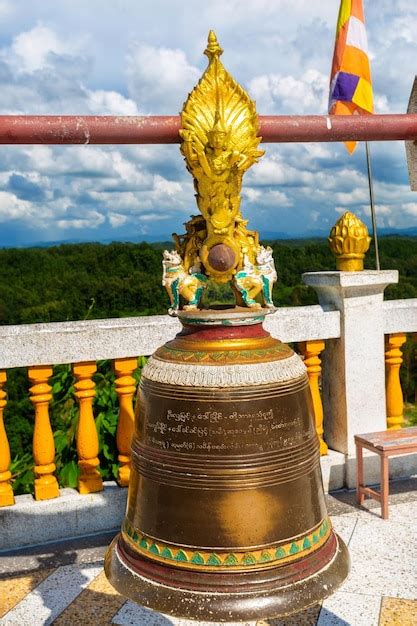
(276, 601)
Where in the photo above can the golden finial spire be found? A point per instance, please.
(213, 47)
(349, 241)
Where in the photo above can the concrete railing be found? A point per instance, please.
(72, 342)
(351, 322)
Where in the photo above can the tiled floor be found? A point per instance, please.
(64, 584)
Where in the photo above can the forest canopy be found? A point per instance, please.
(92, 280)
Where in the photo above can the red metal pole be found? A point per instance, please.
(85, 129)
(79, 129)
(322, 128)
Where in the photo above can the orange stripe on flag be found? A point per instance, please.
(350, 146)
(346, 108)
(343, 108)
(339, 49)
(357, 10)
(356, 62)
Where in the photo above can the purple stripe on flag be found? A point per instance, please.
(345, 87)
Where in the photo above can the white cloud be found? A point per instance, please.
(120, 200)
(352, 197)
(6, 8)
(117, 219)
(286, 94)
(159, 78)
(92, 219)
(101, 102)
(276, 198)
(251, 194)
(33, 49)
(13, 208)
(153, 217)
(410, 208)
(165, 187)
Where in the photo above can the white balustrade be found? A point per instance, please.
(352, 319)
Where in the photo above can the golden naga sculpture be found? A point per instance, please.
(220, 142)
(349, 241)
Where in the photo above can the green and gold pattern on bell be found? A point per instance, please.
(272, 353)
(209, 560)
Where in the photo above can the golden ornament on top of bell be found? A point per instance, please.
(226, 517)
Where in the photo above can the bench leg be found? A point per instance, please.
(359, 474)
(384, 486)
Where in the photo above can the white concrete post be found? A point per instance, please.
(353, 365)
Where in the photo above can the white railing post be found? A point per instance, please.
(353, 365)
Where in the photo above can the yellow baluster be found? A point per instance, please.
(125, 388)
(89, 480)
(311, 351)
(6, 491)
(394, 394)
(46, 485)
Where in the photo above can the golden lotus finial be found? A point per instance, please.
(349, 241)
(213, 48)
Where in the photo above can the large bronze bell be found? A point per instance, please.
(226, 518)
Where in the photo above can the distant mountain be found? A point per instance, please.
(400, 232)
(50, 244)
(279, 235)
(320, 234)
(166, 238)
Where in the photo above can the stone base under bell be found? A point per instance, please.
(223, 597)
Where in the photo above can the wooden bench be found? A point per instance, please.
(385, 443)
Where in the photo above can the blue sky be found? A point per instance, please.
(128, 57)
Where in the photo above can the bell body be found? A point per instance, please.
(226, 517)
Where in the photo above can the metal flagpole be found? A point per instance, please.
(371, 199)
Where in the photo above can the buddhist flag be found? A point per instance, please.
(350, 80)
